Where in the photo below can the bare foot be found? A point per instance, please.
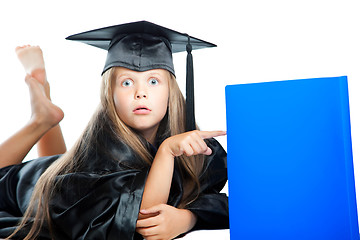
(43, 111)
(31, 57)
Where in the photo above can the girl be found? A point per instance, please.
(134, 173)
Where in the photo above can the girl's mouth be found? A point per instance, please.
(141, 110)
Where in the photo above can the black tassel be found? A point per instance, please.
(190, 108)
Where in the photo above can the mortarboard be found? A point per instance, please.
(142, 46)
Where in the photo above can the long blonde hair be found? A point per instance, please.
(173, 123)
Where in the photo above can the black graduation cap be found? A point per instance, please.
(142, 46)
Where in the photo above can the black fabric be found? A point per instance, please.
(140, 52)
(96, 204)
(103, 37)
(139, 46)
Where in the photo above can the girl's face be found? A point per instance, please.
(141, 99)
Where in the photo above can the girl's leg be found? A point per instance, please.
(45, 115)
(31, 57)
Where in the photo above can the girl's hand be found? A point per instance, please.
(189, 143)
(164, 222)
(158, 183)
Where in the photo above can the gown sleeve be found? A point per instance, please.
(16, 186)
(98, 201)
(211, 207)
(102, 199)
(98, 206)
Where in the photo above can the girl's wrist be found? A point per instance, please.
(165, 150)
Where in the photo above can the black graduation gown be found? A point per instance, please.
(102, 199)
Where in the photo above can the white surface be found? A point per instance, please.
(208, 234)
(257, 40)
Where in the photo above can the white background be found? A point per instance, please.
(258, 40)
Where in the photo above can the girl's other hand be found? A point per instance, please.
(189, 143)
(165, 222)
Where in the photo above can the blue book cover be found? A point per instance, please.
(290, 165)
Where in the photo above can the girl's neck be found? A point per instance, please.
(150, 135)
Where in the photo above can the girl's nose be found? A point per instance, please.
(140, 93)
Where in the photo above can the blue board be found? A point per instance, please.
(290, 165)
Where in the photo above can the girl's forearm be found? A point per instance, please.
(158, 183)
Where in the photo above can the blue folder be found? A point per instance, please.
(290, 165)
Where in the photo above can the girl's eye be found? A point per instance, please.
(127, 83)
(153, 81)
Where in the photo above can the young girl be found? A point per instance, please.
(134, 173)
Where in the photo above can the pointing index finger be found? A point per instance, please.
(211, 134)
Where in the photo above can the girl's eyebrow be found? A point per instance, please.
(122, 75)
(150, 73)
(154, 73)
